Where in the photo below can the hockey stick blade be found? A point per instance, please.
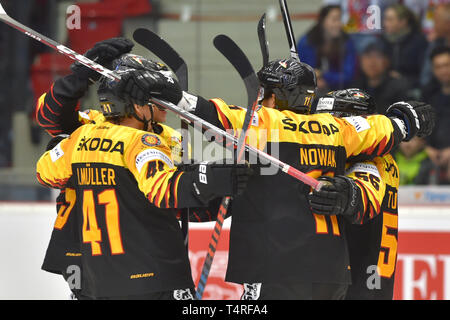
(263, 40)
(160, 48)
(289, 30)
(240, 62)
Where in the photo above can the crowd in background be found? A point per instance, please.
(398, 52)
(401, 59)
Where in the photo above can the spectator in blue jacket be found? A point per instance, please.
(405, 42)
(329, 50)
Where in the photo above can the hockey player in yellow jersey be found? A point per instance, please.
(123, 183)
(276, 242)
(57, 111)
(371, 224)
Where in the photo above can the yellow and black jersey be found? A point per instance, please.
(58, 111)
(122, 178)
(372, 240)
(274, 235)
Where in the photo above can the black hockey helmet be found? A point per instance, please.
(346, 102)
(111, 105)
(293, 82)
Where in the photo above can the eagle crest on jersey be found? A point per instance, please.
(150, 140)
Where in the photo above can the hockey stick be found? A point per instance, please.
(263, 40)
(160, 48)
(289, 30)
(170, 106)
(238, 59)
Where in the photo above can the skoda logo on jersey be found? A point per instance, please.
(150, 140)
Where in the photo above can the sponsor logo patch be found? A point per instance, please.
(150, 140)
(363, 167)
(56, 152)
(325, 104)
(359, 123)
(151, 155)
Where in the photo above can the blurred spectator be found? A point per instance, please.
(405, 42)
(440, 36)
(439, 141)
(376, 80)
(16, 55)
(328, 49)
(413, 162)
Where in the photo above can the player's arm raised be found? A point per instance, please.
(376, 135)
(57, 109)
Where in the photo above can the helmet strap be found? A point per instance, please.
(144, 120)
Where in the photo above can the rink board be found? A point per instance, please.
(423, 270)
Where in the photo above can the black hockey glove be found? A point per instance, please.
(55, 140)
(211, 180)
(138, 86)
(340, 196)
(103, 53)
(418, 117)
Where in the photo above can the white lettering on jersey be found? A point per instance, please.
(364, 167)
(255, 120)
(325, 104)
(56, 152)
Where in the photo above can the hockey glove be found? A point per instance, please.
(418, 118)
(103, 53)
(340, 196)
(138, 86)
(211, 180)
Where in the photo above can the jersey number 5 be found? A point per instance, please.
(388, 251)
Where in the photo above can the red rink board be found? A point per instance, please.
(216, 288)
(423, 267)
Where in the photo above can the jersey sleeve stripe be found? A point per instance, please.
(53, 96)
(175, 189)
(365, 200)
(224, 119)
(152, 197)
(47, 107)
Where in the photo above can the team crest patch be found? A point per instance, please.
(150, 140)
